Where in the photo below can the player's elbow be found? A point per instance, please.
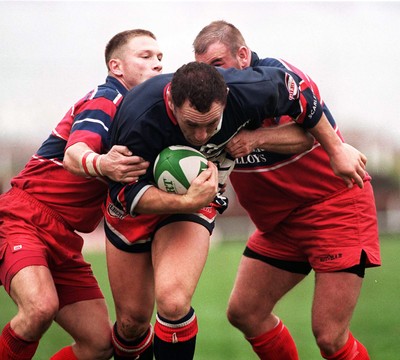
(70, 164)
(67, 164)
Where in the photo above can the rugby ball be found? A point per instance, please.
(176, 167)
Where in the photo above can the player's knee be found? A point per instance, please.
(173, 305)
(132, 326)
(236, 314)
(327, 340)
(39, 314)
(99, 347)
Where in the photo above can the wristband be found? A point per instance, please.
(90, 162)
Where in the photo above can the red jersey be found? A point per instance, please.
(78, 200)
(270, 186)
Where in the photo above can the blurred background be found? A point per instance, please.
(51, 54)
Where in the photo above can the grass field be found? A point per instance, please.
(376, 321)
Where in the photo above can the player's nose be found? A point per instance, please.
(201, 135)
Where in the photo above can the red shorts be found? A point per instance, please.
(135, 233)
(330, 235)
(33, 234)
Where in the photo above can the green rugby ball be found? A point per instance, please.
(176, 167)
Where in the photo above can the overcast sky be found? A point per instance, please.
(51, 53)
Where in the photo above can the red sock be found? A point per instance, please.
(65, 354)
(173, 333)
(13, 347)
(276, 344)
(132, 349)
(175, 339)
(352, 350)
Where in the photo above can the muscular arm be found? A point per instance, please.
(346, 161)
(200, 194)
(283, 139)
(118, 164)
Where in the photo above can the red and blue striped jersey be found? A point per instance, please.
(77, 199)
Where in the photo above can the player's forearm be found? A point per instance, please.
(346, 161)
(155, 201)
(80, 159)
(326, 136)
(284, 139)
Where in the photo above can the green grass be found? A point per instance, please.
(376, 321)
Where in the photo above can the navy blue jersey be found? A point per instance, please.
(145, 124)
(279, 63)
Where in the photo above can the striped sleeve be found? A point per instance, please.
(92, 118)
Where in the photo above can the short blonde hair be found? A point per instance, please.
(121, 39)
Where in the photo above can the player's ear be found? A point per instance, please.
(115, 67)
(243, 56)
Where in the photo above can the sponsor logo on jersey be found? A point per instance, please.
(256, 157)
(292, 87)
(314, 107)
(260, 157)
(115, 212)
(17, 247)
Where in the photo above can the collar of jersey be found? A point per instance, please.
(120, 88)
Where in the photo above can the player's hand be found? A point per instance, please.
(120, 165)
(349, 164)
(203, 189)
(242, 144)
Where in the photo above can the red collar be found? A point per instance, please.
(167, 108)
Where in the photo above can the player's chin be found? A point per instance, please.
(197, 143)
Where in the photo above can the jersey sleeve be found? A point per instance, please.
(264, 92)
(305, 101)
(126, 197)
(91, 119)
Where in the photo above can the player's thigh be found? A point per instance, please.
(131, 281)
(259, 286)
(179, 253)
(33, 290)
(335, 298)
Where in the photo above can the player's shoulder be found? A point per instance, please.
(141, 101)
(251, 76)
(105, 92)
(101, 94)
(111, 90)
(271, 62)
(153, 87)
(147, 94)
